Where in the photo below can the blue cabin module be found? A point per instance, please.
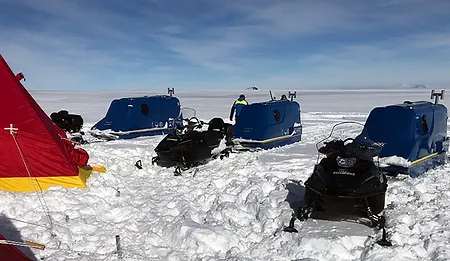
(268, 124)
(129, 118)
(414, 131)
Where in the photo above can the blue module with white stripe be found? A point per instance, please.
(269, 124)
(414, 136)
(129, 118)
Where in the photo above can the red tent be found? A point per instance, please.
(10, 253)
(34, 153)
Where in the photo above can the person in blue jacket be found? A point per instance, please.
(237, 106)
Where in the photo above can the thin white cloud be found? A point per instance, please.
(306, 17)
(287, 18)
(392, 48)
(76, 45)
(265, 20)
(383, 63)
(399, 2)
(66, 62)
(216, 49)
(429, 40)
(171, 29)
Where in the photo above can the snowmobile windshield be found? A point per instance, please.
(341, 131)
(188, 112)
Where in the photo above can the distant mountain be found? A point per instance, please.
(415, 86)
(253, 88)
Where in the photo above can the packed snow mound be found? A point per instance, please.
(394, 161)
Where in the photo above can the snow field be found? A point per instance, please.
(232, 209)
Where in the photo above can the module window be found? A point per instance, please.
(277, 115)
(425, 126)
(144, 109)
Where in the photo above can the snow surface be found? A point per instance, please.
(394, 161)
(233, 209)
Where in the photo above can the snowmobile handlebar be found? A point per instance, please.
(363, 149)
(347, 139)
(197, 122)
(192, 123)
(331, 147)
(191, 118)
(214, 124)
(334, 146)
(353, 149)
(197, 119)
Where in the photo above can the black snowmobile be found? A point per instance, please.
(188, 147)
(70, 123)
(346, 183)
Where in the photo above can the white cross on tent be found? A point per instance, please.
(12, 130)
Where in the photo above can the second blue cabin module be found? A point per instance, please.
(269, 124)
(141, 116)
(414, 136)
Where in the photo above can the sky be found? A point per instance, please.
(226, 44)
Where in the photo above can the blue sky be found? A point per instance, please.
(226, 44)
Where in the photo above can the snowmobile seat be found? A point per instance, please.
(212, 138)
(216, 124)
